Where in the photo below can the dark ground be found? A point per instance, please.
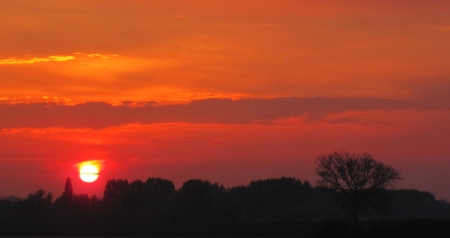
(330, 228)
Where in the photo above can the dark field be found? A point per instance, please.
(329, 228)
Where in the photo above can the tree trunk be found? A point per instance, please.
(355, 210)
(355, 216)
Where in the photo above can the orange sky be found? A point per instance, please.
(228, 91)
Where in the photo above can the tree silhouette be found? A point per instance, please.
(36, 207)
(68, 192)
(198, 197)
(278, 206)
(116, 189)
(360, 178)
(158, 185)
(161, 202)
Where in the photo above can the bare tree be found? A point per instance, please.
(360, 178)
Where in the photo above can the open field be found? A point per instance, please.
(330, 228)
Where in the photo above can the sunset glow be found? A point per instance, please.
(226, 91)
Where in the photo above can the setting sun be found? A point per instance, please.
(88, 173)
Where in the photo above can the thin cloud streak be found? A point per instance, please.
(52, 58)
(33, 60)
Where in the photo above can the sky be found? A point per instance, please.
(226, 91)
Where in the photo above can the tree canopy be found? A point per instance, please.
(360, 178)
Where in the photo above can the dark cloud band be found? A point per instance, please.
(99, 115)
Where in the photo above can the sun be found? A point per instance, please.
(88, 173)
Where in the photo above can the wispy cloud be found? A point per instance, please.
(52, 58)
(440, 27)
(33, 60)
(103, 56)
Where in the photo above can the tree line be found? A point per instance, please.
(349, 186)
(157, 200)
